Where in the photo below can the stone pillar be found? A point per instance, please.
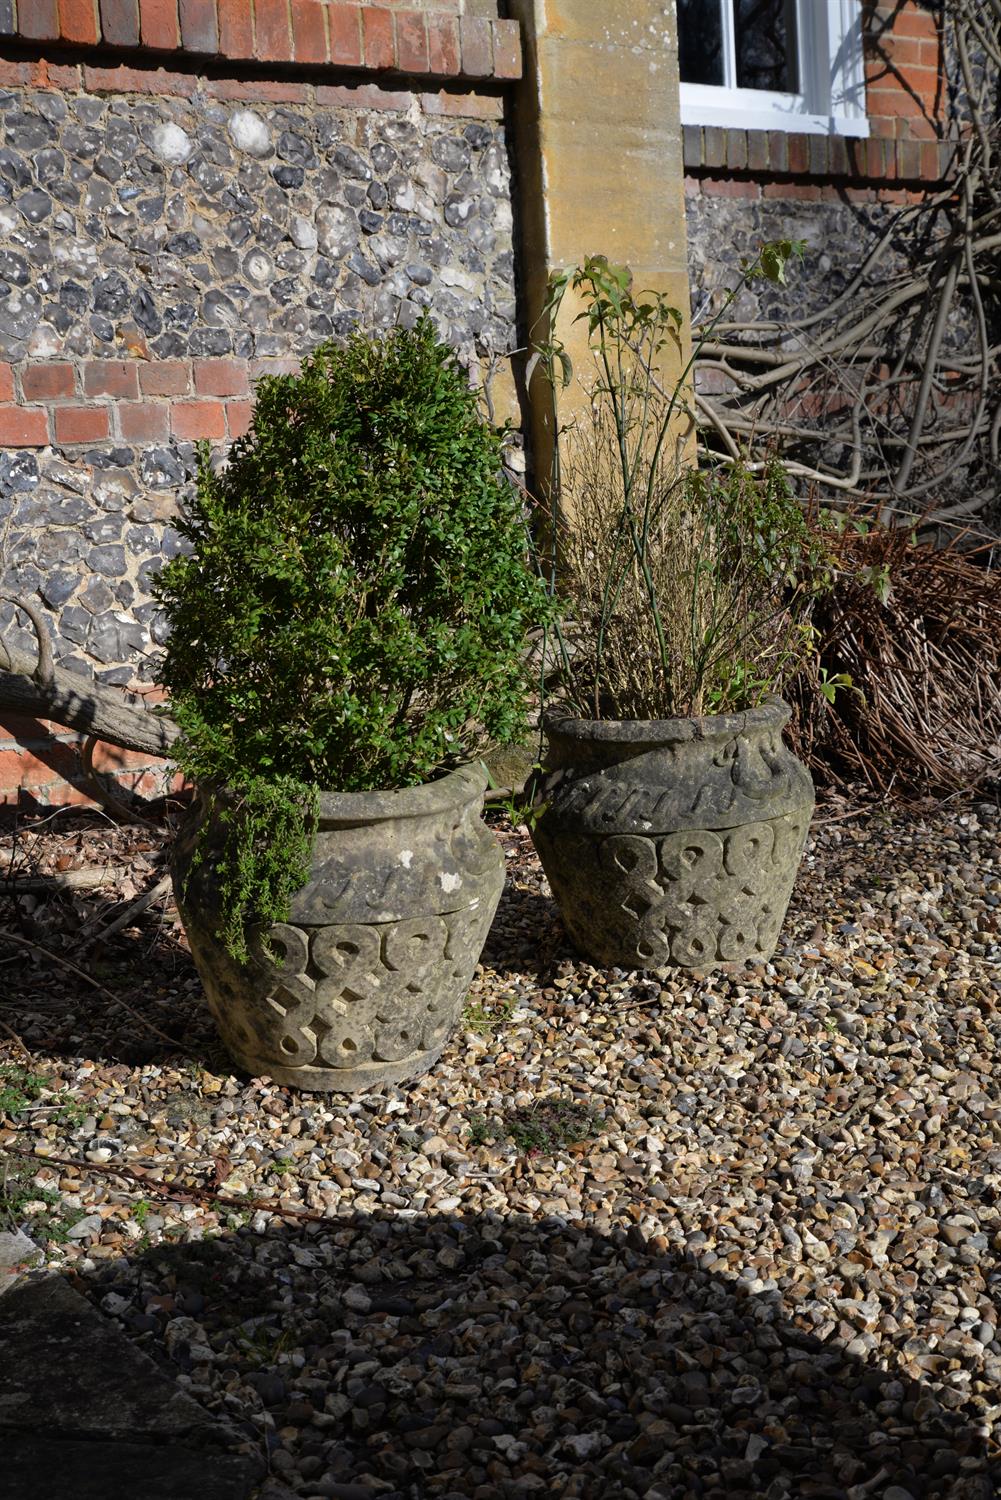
(598, 150)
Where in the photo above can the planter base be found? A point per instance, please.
(349, 1006)
(692, 899)
(349, 1080)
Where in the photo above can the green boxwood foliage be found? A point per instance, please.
(353, 609)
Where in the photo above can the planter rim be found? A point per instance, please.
(773, 714)
(354, 809)
(454, 790)
(344, 809)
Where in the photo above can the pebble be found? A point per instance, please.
(172, 144)
(250, 133)
(86, 1228)
(303, 234)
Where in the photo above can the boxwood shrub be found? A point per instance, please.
(352, 607)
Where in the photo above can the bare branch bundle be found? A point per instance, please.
(925, 712)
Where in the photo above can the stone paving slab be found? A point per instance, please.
(85, 1413)
(43, 1468)
(69, 1368)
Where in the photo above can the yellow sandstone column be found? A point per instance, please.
(599, 163)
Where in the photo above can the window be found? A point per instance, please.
(773, 65)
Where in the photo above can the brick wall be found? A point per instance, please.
(842, 198)
(192, 194)
(40, 765)
(905, 153)
(53, 403)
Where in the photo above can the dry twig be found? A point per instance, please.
(133, 910)
(22, 942)
(65, 880)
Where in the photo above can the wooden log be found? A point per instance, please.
(35, 688)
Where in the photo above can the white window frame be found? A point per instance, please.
(831, 100)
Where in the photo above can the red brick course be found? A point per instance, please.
(271, 25)
(47, 382)
(477, 47)
(199, 26)
(345, 35)
(463, 106)
(221, 377)
(143, 421)
(191, 421)
(50, 75)
(910, 22)
(39, 20)
(238, 417)
(111, 377)
(309, 31)
(48, 771)
(507, 49)
(165, 377)
(411, 42)
(236, 29)
(401, 36)
(22, 768)
(274, 365)
(78, 21)
(444, 52)
(256, 90)
(377, 28)
(120, 22)
(23, 427)
(122, 79)
(362, 96)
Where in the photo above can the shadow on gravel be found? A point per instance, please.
(144, 1005)
(484, 1358)
(527, 935)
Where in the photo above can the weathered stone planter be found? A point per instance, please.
(673, 841)
(380, 947)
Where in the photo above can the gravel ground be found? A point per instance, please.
(634, 1236)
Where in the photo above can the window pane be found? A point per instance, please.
(766, 45)
(700, 41)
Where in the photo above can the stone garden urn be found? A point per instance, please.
(673, 842)
(369, 976)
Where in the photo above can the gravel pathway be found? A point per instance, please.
(727, 1236)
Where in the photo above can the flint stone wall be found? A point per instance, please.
(723, 230)
(157, 254)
